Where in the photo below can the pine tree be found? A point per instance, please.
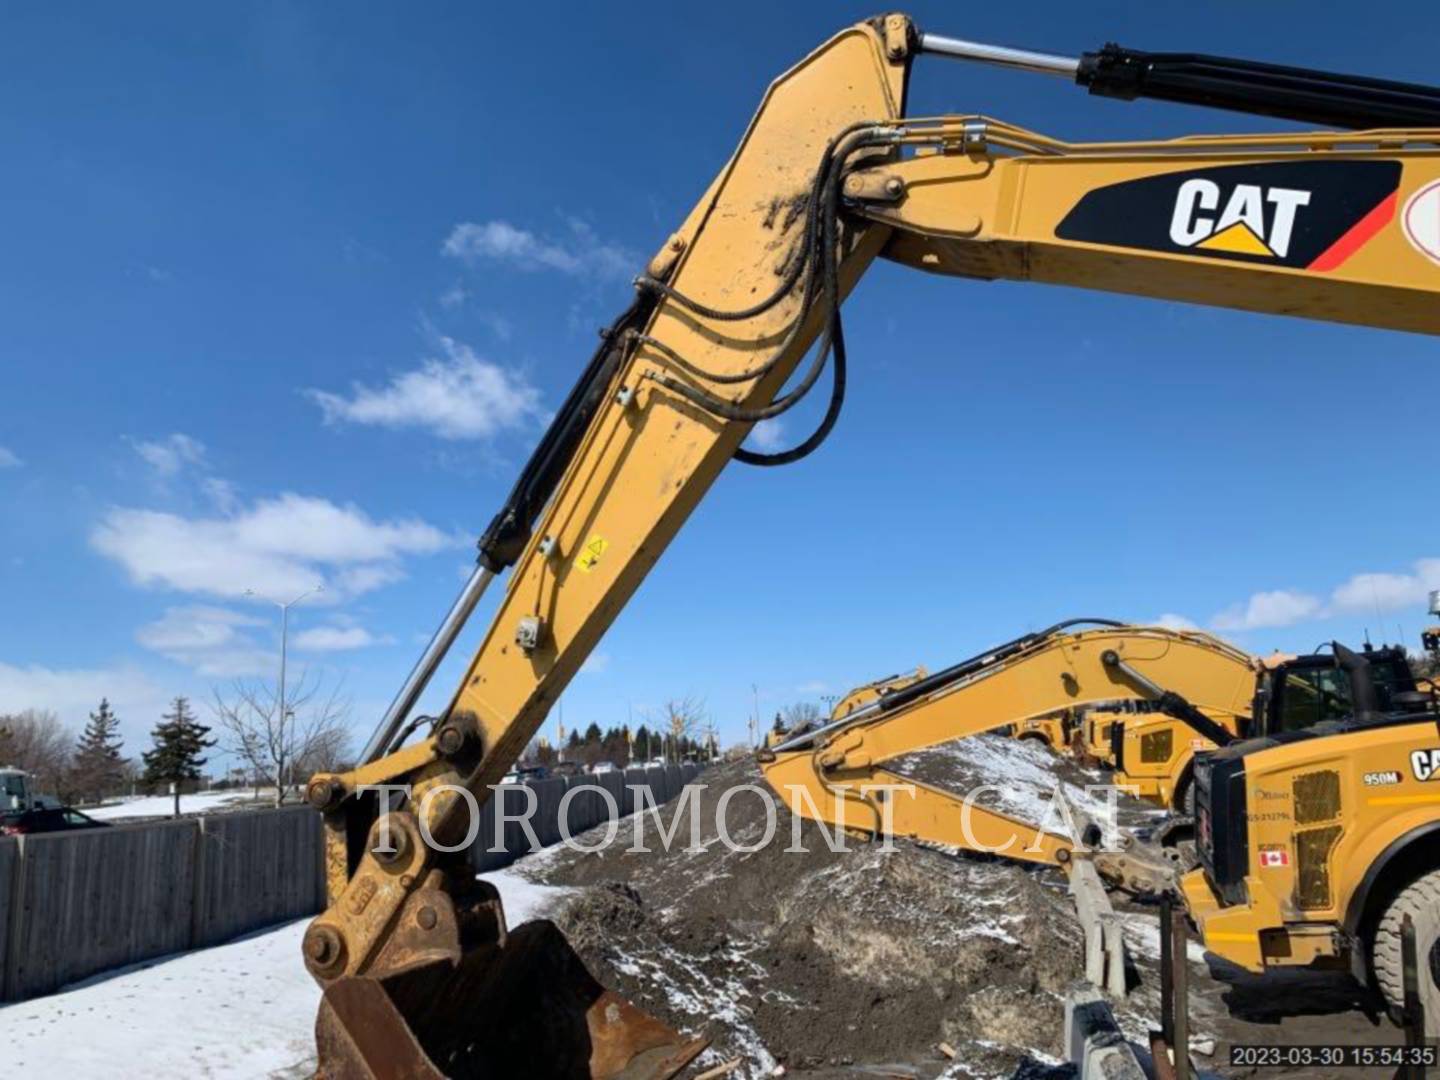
(97, 766)
(179, 739)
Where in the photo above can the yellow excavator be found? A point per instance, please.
(1053, 731)
(1093, 739)
(854, 699)
(840, 774)
(1200, 686)
(421, 975)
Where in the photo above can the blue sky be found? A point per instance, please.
(287, 292)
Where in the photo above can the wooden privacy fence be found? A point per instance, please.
(76, 904)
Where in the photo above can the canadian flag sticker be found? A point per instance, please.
(1274, 856)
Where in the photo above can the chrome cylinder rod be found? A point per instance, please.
(1020, 59)
(424, 668)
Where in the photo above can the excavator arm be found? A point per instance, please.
(838, 774)
(828, 177)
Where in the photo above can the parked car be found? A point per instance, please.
(64, 819)
(603, 767)
(527, 775)
(566, 768)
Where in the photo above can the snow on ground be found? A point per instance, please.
(154, 806)
(241, 1010)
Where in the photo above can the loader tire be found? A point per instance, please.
(1421, 901)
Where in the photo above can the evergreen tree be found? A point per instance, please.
(97, 766)
(179, 739)
(592, 733)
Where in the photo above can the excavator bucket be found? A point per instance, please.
(517, 1004)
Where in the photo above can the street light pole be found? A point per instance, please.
(281, 714)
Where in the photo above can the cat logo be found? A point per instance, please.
(1255, 221)
(1425, 764)
(1302, 215)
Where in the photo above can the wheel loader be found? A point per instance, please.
(421, 974)
(1155, 754)
(1316, 841)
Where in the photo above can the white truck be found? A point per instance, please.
(16, 793)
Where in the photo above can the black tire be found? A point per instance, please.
(1185, 804)
(1421, 901)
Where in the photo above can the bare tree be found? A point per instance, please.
(802, 715)
(682, 717)
(283, 750)
(36, 741)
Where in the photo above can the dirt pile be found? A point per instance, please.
(830, 963)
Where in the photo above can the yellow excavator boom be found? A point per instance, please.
(833, 774)
(830, 175)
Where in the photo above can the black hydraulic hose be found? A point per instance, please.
(827, 423)
(829, 291)
(509, 531)
(792, 276)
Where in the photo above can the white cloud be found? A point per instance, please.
(580, 253)
(211, 640)
(335, 639)
(454, 297)
(1280, 607)
(171, 454)
(1171, 621)
(71, 693)
(280, 547)
(767, 436)
(9, 459)
(457, 396)
(597, 663)
(221, 493)
(1364, 593)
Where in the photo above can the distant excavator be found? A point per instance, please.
(839, 773)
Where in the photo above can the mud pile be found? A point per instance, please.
(831, 963)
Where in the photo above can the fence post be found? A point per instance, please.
(14, 924)
(197, 885)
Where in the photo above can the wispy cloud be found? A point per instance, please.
(767, 436)
(336, 639)
(597, 663)
(170, 455)
(72, 692)
(211, 640)
(1264, 610)
(1171, 621)
(578, 251)
(279, 546)
(9, 459)
(456, 396)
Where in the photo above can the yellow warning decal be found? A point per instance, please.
(590, 554)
